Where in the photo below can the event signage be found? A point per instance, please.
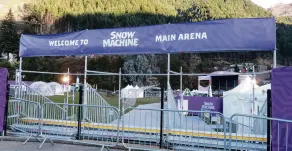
(195, 103)
(254, 34)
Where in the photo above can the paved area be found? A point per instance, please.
(33, 146)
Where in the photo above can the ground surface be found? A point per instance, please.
(33, 146)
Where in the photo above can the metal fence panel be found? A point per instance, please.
(141, 130)
(251, 135)
(62, 124)
(19, 112)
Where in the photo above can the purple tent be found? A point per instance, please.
(3, 86)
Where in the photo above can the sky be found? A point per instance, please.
(269, 3)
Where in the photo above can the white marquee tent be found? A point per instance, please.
(132, 92)
(240, 100)
(41, 88)
(57, 88)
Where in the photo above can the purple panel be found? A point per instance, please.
(3, 86)
(282, 108)
(210, 103)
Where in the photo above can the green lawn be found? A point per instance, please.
(112, 100)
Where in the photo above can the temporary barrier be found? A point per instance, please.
(255, 130)
(24, 92)
(142, 130)
(57, 125)
(96, 115)
(19, 112)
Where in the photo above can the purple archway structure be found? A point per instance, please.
(228, 35)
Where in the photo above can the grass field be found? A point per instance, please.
(112, 100)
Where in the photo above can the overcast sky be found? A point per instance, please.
(269, 3)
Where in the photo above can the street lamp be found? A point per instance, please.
(66, 79)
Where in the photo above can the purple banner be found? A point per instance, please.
(282, 108)
(3, 83)
(208, 103)
(224, 35)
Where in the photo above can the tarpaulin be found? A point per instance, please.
(248, 34)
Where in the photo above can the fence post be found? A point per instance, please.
(79, 117)
(6, 109)
(161, 116)
(269, 115)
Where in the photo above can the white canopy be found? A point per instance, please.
(132, 92)
(244, 86)
(240, 101)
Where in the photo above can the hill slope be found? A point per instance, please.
(281, 10)
(5, 5)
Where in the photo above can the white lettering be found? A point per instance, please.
(204, 35)
(62, 43)
(180, 37)
(51, 43)
(198, 36)
(121, 39)
(208, 105)
(158, 38)
(183, 36)
(120, 43)
(122, 35)
(187, 36)
(163, 38)
(85, 41)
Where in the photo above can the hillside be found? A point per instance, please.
(281, 10)
(15, 5)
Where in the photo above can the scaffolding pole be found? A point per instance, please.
(120, 85)
(275, 58)
(181, 87)
(97, 73)
(85, 88)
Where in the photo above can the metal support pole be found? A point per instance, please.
(85, 81)
(19, 76)
(120, 84)
(67, 84)
(79, 117)
(161, 115)
(168, 72)
(253, 91)
(181, 89)
(275, 58)
(85, 88)
(269, 115)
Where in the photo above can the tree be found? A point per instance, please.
(137, 65)
(9, 38)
